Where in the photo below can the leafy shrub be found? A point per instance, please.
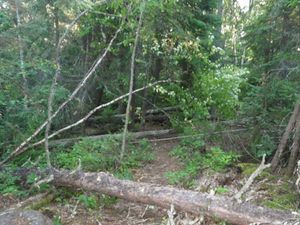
(217, 159)
(215, 89)
(189, 152)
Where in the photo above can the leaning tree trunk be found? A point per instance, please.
(185, 200)
(285, 137)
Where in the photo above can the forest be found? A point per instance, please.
(154, 112)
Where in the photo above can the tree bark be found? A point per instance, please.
(285, 137)
(185, 200)
(294, 149)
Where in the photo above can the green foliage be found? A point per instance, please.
(214, 93)
(93, 155)
(8, 183)
(31, 178)
(57, 221)
(218, 160)
(189, 152)
(222, 190)
(187, 174)
(103, 155)
(89, 202)
(273, 82)
(263, 145)
(107, 200)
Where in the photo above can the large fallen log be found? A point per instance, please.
(119, 118)
(142, 134)
(185, 200)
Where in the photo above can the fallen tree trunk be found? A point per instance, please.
(185, 200)
(143, 134)
(150, 116)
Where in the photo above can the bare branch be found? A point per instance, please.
(56, 76)
(20, 148)
(93, 111)
(250, 180)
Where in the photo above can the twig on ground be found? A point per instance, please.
(250, 180)
(46, 180)
(143, 214)
(171, 214)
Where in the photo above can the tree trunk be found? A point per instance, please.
(185, 200)
(131, 85)
(294, 149)
(285, 137)
(21, 54)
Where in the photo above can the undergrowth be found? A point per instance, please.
(91, 155)
(191, 152)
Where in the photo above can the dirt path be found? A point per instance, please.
(71, 212)
(125, 212)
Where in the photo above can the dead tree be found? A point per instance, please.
(184, 200)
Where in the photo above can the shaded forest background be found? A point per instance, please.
(220, 64)
(229, 63)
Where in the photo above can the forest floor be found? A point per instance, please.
(121, 212)
(124, 212)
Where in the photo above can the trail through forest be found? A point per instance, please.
(124, 212)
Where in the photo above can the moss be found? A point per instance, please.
(284, 201)
(248, 168)
(281, 196)
(42, 202)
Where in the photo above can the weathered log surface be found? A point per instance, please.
(136, 135)
(185, 200)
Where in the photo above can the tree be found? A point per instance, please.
(273, 83)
